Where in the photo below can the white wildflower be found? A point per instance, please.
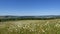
(46, 23)
(18, 25)
(16, 29)
(28, 26)
(43, 30)
(57, 25)
(24, 27)
(32, 30)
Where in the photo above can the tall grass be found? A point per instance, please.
(31, 27)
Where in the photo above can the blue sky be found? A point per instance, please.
(29, 7)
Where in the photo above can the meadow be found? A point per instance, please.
(30, 27)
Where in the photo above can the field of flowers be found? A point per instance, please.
(30, 27)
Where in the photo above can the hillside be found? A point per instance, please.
(30, 27)
(8, 18)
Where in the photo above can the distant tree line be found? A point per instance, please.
(30, 18)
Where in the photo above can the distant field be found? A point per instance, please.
(30, 27)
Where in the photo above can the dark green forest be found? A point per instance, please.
(13, 18)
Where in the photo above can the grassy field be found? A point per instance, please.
(30, 27)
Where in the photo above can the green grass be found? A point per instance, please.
(30, 27)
